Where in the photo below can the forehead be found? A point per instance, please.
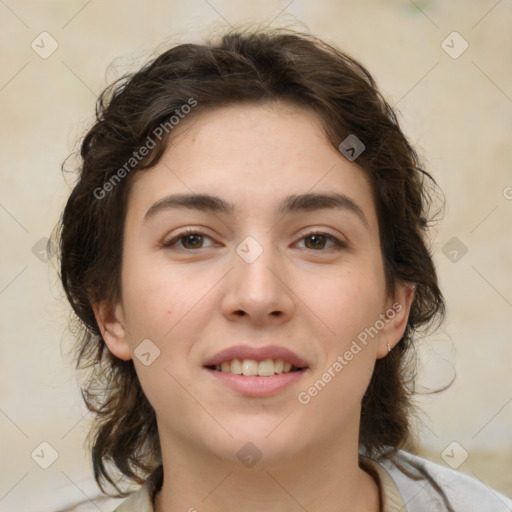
(253, 155)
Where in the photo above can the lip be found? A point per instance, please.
(252, 386)
(258, 354)
(255, 386)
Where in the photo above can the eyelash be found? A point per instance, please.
(190, 231)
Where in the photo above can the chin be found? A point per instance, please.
(263, 444)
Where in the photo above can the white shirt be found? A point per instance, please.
(400, 492)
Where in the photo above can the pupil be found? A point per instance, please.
(317, 240)
(193, 240)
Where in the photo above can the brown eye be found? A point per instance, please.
(192, 241)
(316, 241)
(188, 240)
(319, 241)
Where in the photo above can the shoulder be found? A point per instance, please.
(422, 483)
(142, 500)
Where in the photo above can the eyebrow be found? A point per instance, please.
(291, 204)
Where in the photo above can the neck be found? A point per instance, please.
(326, 479)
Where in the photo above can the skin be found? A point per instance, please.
(312, 299)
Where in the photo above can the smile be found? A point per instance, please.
(251, 367)
(256, 371)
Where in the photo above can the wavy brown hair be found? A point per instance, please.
(240, 66)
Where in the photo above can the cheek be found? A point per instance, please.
(348, 302)
(152, 296)
(147, 311)
(349, 306)
(169, 307)
(157, 307)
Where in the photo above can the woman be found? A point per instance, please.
(246, 250)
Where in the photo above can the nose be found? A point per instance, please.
(259, 291)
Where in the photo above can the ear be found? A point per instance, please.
(397, 316)
(111, 323)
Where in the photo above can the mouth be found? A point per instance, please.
(256, 372)
(252, 367)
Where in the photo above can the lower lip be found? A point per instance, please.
(255, 386)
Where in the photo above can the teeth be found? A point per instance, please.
(266, 368)
(236, 367)
(249, 367)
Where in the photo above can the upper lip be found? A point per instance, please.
(242, 352)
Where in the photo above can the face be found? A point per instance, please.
(253, 294)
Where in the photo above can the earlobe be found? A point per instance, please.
(397, 315)
(110, 321)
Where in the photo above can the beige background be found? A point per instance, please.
(457, 111)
